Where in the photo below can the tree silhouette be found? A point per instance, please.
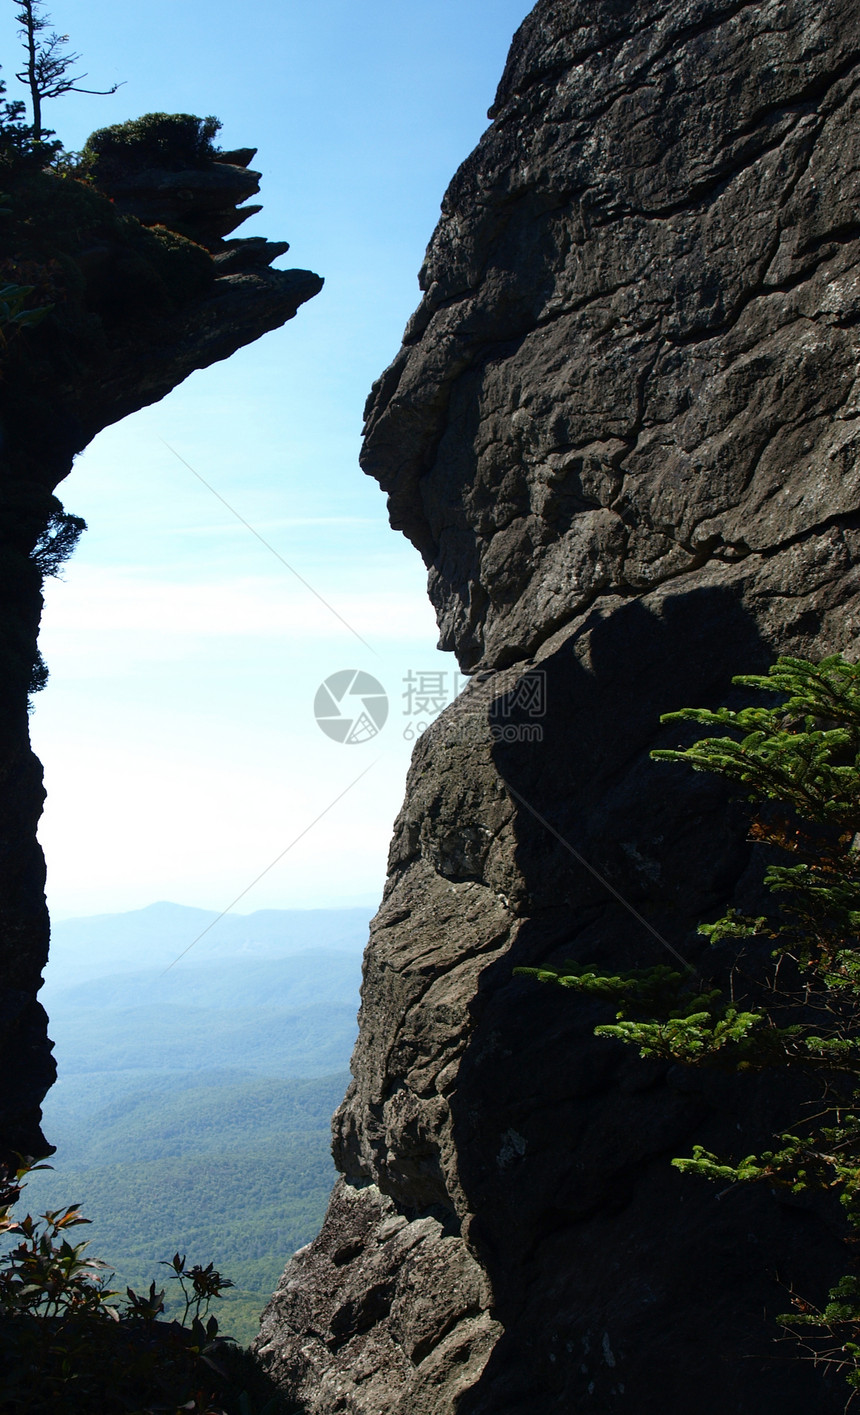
(46, 73)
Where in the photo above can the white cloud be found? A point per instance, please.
(101, 599)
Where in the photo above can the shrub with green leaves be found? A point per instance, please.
(798, 763)
(173, 141)
(67, 1345)
(20, 149)
(16, 311)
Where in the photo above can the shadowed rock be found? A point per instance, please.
(622, 432)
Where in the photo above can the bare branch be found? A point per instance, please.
(46, 72)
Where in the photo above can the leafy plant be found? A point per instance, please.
(16, 313)
(175, 141)
(199, 1285)
(57, 541)
(799, 764)
(66, 1344)
(22, 148)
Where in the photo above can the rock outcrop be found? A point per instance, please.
(623, 433)
(132, 312)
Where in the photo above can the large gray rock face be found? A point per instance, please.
(623, 433)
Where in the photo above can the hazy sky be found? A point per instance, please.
(177, 731)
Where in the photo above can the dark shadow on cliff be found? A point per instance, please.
(620, 1283)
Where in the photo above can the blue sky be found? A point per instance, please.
(177, 731)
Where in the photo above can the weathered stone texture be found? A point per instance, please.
(381, 1307)
(623, 433)
(636, 346)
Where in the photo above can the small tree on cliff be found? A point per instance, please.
(793, 999)
(46, 72)
(19, 150)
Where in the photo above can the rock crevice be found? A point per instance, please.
(622, 433)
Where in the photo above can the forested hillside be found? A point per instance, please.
(193, 1105)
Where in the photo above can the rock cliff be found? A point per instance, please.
(135, 306)
(623, 434)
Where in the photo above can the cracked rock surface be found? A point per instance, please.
(636, 351)
(623, 433)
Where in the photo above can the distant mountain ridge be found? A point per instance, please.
(156, 936)
(274, 992)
